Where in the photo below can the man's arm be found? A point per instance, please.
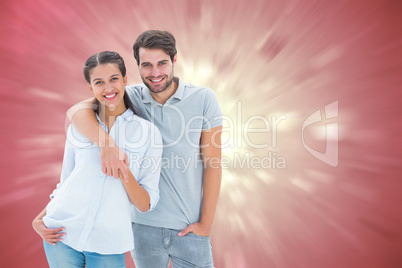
(49, 235)
(211, 153)
(138, 196)
(113, 158)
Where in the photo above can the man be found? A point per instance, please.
(190, 122)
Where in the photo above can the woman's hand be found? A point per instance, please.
(49, 235)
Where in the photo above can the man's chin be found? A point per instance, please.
(156, 90)
(159, 88)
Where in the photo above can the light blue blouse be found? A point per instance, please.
(93, 207)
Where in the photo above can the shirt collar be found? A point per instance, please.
(180, 89)
(147, 97)
(128, 113)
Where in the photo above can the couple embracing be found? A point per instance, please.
(122, 186)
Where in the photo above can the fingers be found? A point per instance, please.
(123, 164)
(114, 158)
(113, 170)
(126, 160)
(54, 231)
(186, 231)
(104, 169)
(52, 236)
(122, 155)
(53, 241)
(124, 171)
(122, 177)
(108, 169)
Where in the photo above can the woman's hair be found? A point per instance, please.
(155, 39)
(106, 57)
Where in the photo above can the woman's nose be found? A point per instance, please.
(108, 87)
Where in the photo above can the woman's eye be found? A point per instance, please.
(98, 82)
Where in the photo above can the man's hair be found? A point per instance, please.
(155, 39)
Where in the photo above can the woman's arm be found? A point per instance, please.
(49, 235)
(83, 118)
(144, 192)
(53, 235)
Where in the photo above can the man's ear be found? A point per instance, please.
(90, 88)
(175, 58)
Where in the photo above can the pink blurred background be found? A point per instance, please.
(271, 58)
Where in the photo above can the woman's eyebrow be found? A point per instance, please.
(93, 80)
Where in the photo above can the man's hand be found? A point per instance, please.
(49, 235)
(114, 159)
(196, 228)
(83, 118)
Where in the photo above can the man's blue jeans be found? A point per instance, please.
(63, 256)
(154, 246)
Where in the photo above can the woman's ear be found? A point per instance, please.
(125, 80)
(90, 88)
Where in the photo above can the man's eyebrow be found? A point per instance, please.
(146, 62)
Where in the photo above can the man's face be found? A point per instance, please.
(156, 69)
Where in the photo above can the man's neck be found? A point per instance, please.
(163, 96)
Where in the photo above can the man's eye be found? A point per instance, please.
(146, 65)
(162, 63)
(114, 78)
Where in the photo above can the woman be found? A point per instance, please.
(92, 209)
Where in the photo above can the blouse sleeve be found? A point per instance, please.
(68, 162)
(151, 167)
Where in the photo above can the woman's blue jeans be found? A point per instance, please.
(63, 256)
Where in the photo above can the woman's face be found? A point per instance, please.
(107, 84)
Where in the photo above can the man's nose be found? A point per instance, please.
(155, 71)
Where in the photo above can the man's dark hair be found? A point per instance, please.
(155, 39)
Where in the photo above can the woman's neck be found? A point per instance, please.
(108, 114)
